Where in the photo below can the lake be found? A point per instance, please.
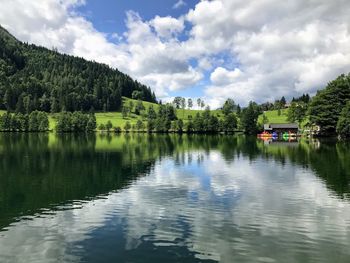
(171, 198)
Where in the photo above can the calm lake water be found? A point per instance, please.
(170, 198)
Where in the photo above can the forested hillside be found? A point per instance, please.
(327, 106)
(36, 78)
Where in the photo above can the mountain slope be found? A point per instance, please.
(36, 78)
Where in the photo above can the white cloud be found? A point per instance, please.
(179, 4)
(167, 26)
(173, 81)
(281, 48)
(157, 61)
(221, 76)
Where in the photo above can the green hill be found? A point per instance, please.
(273, 116)
(180, 113)
(36, 78)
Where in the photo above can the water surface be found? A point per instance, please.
(170, 198)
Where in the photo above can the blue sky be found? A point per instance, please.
(213, 49)
(109, 15)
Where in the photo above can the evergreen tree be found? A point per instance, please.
(6, 120)
(230, 122)
(151, 114)
(79, 121)
(177, 102)
(238, 110)
(15, 122)
(283, 101)
(54, 106)
(20, 105)
(109, 125)
(190, 103)
(249, 118)
(131, 106)
(91, 124)
(127, 126)
(265, 120)
(213, 124)
(343, 125)
(137, 95)
(198, 123)
(180, 126)
(125, 111)
(202, 104)
(183, 106)
(199, 102)
(139, 107)
(228, 106)
(139, 125)
(189, 127)
(64, 122)
(24, 121)
(43, 121)
(150, 125)
(297, 111)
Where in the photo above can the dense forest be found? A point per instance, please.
(36, 78)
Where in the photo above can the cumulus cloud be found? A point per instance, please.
(281, 48)
(221, 76)
(157, 61)
(275, 48)
(167, 26)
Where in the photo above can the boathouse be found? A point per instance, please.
(281, 128)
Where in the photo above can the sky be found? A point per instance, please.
(213, 49)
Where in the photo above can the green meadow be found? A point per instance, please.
(273, 116)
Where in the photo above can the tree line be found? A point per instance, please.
(75, 122)
(165, 120)
(36, 121)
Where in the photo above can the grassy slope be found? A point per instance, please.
(118, 121)
(274, 118)
(181, 114)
